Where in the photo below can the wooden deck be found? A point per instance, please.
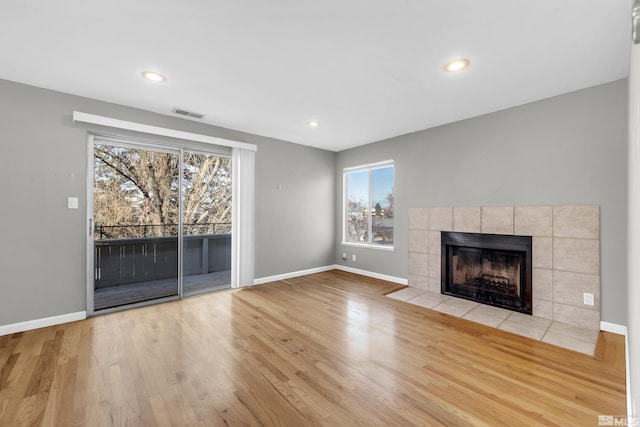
(116, 296)
(326, 349)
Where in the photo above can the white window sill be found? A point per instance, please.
(369, 246)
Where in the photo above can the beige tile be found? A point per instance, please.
(428, 299)
(533, 221)
(569, 331)
(456, 307)
(406, 293)
(419, 241)
(571, 337)
(467, 219)
(423, 302)
(576, 255)
(542, 284)
(418, 263)
(397, 296)
(418, 218)
(523, 330)
(435, 284)
(435, 265)
(441, 219)
(419, 282)
(576, 316)
(497, 219)
(580, 222)
(542, 308)
(570, 343)
(542, 252)
(568, 288)
(489, 310)
(527, 320)
(435, 243)
(483, 319)
(528, 326)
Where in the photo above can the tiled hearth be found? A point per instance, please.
(563, 335)
(566, 264)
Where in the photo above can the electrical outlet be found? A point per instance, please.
(344, 256)
(588, 299)
(353, 257)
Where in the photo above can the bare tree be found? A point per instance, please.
(136, 192)
(388, 212)
(357, 220)
(207, 193)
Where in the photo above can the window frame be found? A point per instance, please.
(345, 196)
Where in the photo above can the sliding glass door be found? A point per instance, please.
(161, 224)
(207, 222)
(135, 214)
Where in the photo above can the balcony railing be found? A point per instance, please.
(158, 230)
(133, 260)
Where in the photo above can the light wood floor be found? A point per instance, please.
(326, 349)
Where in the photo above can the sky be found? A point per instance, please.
(381, 183)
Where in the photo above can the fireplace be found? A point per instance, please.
(492, 269)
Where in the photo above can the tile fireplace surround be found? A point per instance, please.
(566, 252)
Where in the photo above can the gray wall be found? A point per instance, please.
(570, 149)
(43, 161)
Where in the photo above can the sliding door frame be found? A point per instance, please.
(143, 144)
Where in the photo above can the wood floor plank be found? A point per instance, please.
(325, 349)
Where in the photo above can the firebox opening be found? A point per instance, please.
(487, 268)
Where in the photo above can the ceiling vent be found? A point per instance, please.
(187, 113)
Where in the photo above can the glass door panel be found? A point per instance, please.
(206, 218)
(136, 224)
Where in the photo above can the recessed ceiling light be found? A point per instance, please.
(313, 123)
(154, 77)
(456, 65)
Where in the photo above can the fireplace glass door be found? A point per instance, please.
(487, 268)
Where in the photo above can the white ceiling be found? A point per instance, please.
(365, 69)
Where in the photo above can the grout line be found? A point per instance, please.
(415, 296)
(434, 307)
(546, 330)
(513, 220)
(504, 320)
(477, 305)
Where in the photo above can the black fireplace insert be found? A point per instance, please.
(493, 269)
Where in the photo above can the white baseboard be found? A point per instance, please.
(42, 323)
(268, 279)
(372, 274)
(630, 410)
(613, 328)
(621, 330)
(277, 277)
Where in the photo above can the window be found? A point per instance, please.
(368, 205)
